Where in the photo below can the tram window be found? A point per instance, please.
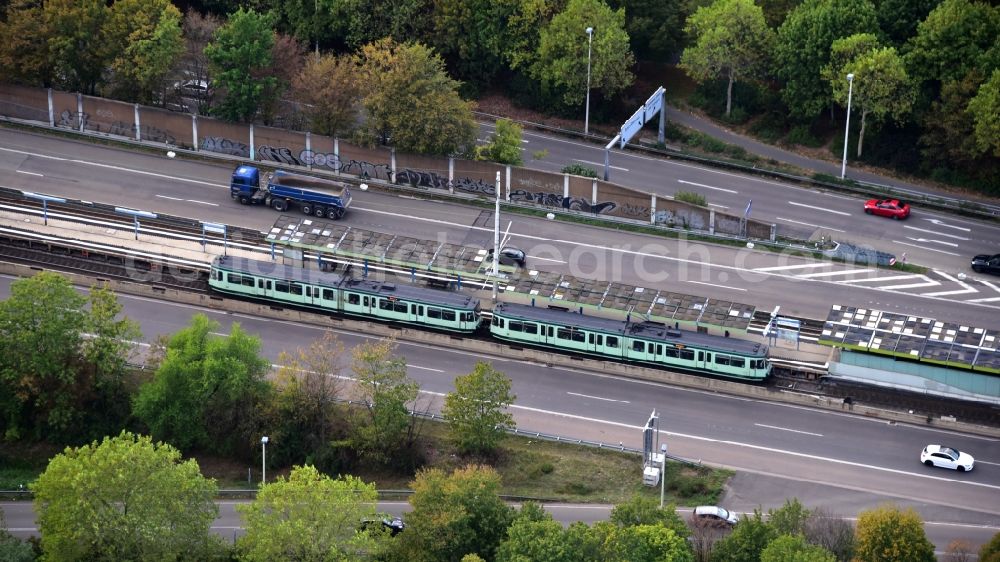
(448, 315)
(578, 336)
(296, 289)
(400, 307)
(670, 352)
(260, 283)
(515, 326)
(737, 362)
(217, 275)
(687, 355)
(235, 279)
(639, 346)
(590, 339)
(384, 304)
(281, 286)
(413, 309)
(309, 291)
(328, 295)
(600, 340)
(248, 281)
(659, 349)
(721, 359)
(470, 316)
(366, 301)
(268, 284)
(530, 328)
(563, 333)
(435, 313)
(612, 341)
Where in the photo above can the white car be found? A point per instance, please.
(714, 515)
(947, 457)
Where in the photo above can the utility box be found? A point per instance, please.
(651, 476)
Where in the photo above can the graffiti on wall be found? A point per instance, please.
(71, 120)
(417, 178)
(550, 199)
(361, 168)
(223, 145)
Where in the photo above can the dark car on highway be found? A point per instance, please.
(892, 208)
(509, 256)
(985, 263)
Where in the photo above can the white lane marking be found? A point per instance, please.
(169, 197)
(719, 206)
(925, 248)
(424, 368)
(990, 299)
(988, 462)
(800, 266)
(808, 224)
(759, 448)
(935, 232)
(707, 186)
(940, 222)
(29, 173)
(832, 273)
(815, 208)
(787, 429)
(893, 278)
(597, 397)
(965, 288)
(926, 240)
(930, 283)
(601, 164)
(547, 259)
(716, 285)
(201, 202)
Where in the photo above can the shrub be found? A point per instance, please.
(801, 135)
(579, 170)
(691, 197)
(712, 144)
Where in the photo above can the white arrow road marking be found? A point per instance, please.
(800, 266)
(926, 240)
(938, 233)
(820, 227)
(927, 281)
(925, 248)
(815, 208)
(964, 290)
(940, 222)
(833, 273)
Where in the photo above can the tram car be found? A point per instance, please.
(642, 342)
(331, 292)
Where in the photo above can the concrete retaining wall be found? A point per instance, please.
(504, 350)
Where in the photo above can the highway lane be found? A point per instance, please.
(199, 190)
(797, 211)
(832, 449)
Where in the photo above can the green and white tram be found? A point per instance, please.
(646, 342)
(406, 304)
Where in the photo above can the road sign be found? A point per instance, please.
(653, 105)
(632, 126)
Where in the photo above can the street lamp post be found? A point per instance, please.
(663, 470)
(263, 459)
(586, 115)
(847, 127)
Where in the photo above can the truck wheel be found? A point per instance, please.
(307, 209)
(279, 205)
(244, 200)
(320, 212)
(337, 213)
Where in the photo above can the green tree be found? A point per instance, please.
(361, 22)
(125, 498)
(985, 112)
(561, 63)
(476, 412)
(888, 534)
(641, 510)
(238, 55)
(469, 34)
(305, 409)
(803, 49)
(640, 542)
(775, 11)
(504, 146)
(410, 99)
(957, 37)
(731, 41)
(146, 35)
(77, 44)
(56, 384)
(13, 549)
(990, 552)
(208, 389)
(652, 27)
(535, 536)
(833, 533)
(881, 87)
(454, 515)
(794, 548)
(898, 19)
(949, 137)
(522, 32)
(789, 519)
(309, 517)
(330, 94)
(24, 51)
(746, 542)
(385, 391)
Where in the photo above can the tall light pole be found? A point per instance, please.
(847, 128)
(263, 459)
(496, 241)
(663, 470)
(586, 115)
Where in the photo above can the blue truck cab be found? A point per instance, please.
(316, 196)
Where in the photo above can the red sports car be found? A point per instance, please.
(893, 208)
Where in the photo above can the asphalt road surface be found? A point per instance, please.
(840, 461)
(802, 287)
